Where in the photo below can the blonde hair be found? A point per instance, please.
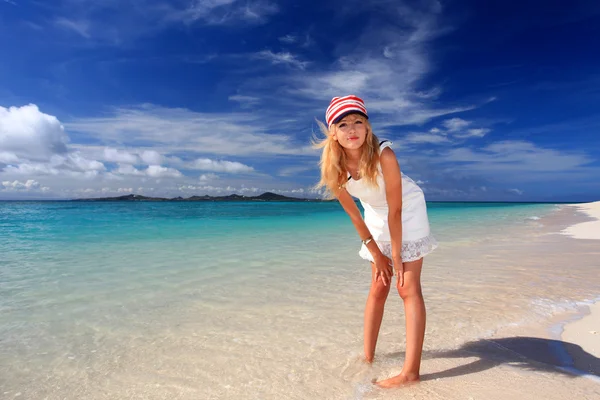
(334, 163)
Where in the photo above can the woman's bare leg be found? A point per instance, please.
(374, 314)
(415, 315)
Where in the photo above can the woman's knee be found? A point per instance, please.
(380, 291)
(410, 290)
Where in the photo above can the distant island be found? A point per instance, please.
(267, 196)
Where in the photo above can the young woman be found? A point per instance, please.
(395, 229)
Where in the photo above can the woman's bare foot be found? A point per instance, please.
(401, 379)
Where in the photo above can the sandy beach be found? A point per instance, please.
(589, 229)
(510, 299)
(585, 329)
(558, 358)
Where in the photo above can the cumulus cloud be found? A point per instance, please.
(28, 133)
(29, 185)
(153, 171)
(208, 177)
(206, 164)
(126, 169)
(455, 124)
(75, 161)
(156, 171)
(151, 157)
(119, 156)
(8, 158)
(72, 164)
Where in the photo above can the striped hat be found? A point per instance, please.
(342, 106)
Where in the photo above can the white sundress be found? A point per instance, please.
(417, 240)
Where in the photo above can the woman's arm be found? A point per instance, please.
(381, 261)
(393, 189)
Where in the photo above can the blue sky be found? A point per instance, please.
(484, 100)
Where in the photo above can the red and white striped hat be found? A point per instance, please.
(342, 106)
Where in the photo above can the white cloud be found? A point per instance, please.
(151, 157)
(72, 164)
(208, 177)
(140, 18)
(126, 169)
(180, 130)
(27, 133)
(281, 58)
(245, 100)
(156, 171)
(387, 52)
(391, 87)
(206, 164)
(80, 27)
(28, 185)
(119, 156)
(516, 191)
(153, 171)
(223, 12)
(512, 156)
(288, 39)
(473, 133)
(455, 124)
(8, 158)
(75, 161)
(425, 138)
(295, 170)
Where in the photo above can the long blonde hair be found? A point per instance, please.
(334, 163)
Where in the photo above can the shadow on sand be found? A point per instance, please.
(529, 353)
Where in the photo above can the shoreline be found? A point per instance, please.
(589, 229)
(582, 330)
(567, 341)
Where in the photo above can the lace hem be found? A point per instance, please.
(411, 251)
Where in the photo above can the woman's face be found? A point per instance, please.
(351, 131)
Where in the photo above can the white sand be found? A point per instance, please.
(586, 230)
(585, 331)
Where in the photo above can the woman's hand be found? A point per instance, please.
(383, 269)
(399, 268)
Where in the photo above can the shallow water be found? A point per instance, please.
(252, 300)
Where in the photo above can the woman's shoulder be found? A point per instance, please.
(384, 144)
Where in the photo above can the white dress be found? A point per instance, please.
(417, 240)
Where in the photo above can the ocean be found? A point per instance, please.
(203, 300)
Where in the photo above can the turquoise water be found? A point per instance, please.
(25, 223)
(113, 287)
(51, 247)
(81, 245)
